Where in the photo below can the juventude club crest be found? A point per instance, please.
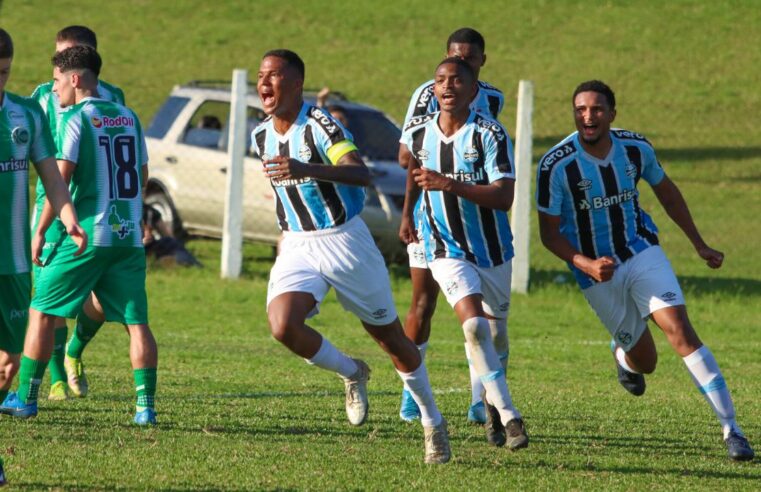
(20, 135)
(118, 225)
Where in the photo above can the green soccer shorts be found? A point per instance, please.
(116, 275)
(15, 294)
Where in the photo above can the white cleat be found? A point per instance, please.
(356, 393)
(437, 444)
(75, 371)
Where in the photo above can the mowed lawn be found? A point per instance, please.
(238, 412)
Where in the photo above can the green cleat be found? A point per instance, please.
(75, 371)
(59, 391)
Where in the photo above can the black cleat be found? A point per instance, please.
(631, 381)
(495, 431)
(738, 447)
(515, 431)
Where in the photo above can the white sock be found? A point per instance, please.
(476, 387)
(621, 358)
(488, 366)
(330, 358)
(707, 377)
(418, 385)
(498, 328)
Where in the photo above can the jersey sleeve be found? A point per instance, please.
(652, 172)
(119, 96)
(421, 103)
(42, 145)
(549, 189)
(333, 140)
(498, 159)
(144, 158)
(69, 136)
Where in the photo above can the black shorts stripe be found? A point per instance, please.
(615, 214)
(327, 189)
(294, 198)
(642, 230)
(452, 202)
(635, 157)
(583, 217)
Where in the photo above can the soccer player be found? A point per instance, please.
(468, 45)
(69, 365)
(462, 161)
(101, 150)
(318, 178)
(589, 216)
(24, 136)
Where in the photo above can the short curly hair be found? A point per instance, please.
(596, 86)
(6, 44)
(79, 57)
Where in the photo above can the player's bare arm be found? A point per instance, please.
(407, 232)
(350, 169)
(55, 178)
(600, 269)
(676, 207)
(497, 195)
(405, 156)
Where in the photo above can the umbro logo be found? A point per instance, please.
(504, 306)
(379, 314)
(584, 184)
(451, 287)
(668, 296)
(423, 154)
(624, 337)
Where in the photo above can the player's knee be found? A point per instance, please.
(279, 326)
(476, 330)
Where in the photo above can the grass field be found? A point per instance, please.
(238, 412)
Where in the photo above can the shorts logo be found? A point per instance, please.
(418, 255)
(471, 155)
(624, 337)
(18, 314)
(20, 135)
(451, 287)
(118, 225)
(631, 170)
(422, 154)
(668, 296)
(504, 306)
(584, 184)
(379, 314)
(305, 153)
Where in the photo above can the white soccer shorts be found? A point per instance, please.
(459, 278)
(640, 286)
(345, 258)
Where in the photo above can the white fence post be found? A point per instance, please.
(521, 210)
(232, 233)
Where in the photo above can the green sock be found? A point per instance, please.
(85, 331)
(57, 371)
(145, 386)
(30, 377)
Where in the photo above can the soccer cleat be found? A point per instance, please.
(409, 410)
(631, 381)
(75, 372)
(13, 406)
(738, 447)
(495, 431)
(477, 413)
(516, 436)
(356, 393)
(59, 391)
(437, 443)
(146, 417)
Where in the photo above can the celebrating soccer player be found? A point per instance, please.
(468, 45)
(68, 364)
(589, 216)
(318, 178)
(24, 136)
(462, 161)
(101, 150)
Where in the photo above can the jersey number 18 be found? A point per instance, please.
(124, 184)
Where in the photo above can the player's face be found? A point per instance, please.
(470, 53)
(63, 86)
(279, 86)
(5, 72)
(593, 116)
(453, 88)
(62, 45)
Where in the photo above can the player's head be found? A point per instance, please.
(6, 57)
(75, 68)
(75, 36)
(594, 109)
(454, 84)
(280, 81)
(468, 44)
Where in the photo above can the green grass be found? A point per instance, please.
(238, 411)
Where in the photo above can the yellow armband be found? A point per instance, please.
(335, 152)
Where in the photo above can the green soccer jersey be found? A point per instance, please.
(51, 105)
(106, 142)
(24, 136)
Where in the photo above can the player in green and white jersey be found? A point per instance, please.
(101, 151)
(24, 136)
(68, 364)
